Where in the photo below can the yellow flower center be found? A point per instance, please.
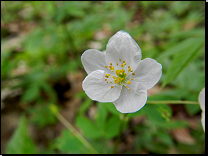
(121, 76)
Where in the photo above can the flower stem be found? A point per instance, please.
(75, 133)
(124, 119)
(172, 102)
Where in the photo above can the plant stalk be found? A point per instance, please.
(172, 102)
(76, 133)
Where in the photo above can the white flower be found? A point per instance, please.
(201, 100)
(119, 75)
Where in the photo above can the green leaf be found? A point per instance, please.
(69, 143)
(85, 105)
(31, 93)
(173, 124)
(138, 113)
(112, 127)
(41, 115)
(182, 58)
(165, 138)
(20, 142)
(88, 127)
(155, 113)
(192, 109)
(101, 116)
(178, 48)
(111, 108)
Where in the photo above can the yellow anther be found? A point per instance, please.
(128, 66)
(114, 77)
(129, 89)
(117, 64)
(121, 89)
(106, 66)
(124, 74)
(119, 59)
(111, 64)
(133, 73)
(132, 78)
(129, 69)
(126, 86)
(107, 75)
(115, 81)
(121, 65)
(117, 72)
(112, 68)
(124, 63)
(112, 87)
(128, 82)
(105, 79)
(111, 81)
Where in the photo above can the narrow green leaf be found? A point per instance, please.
(178, 48)
(182, 58)
(20, 142)
(31, 93)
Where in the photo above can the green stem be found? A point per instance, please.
(172, 102)
(75, 133)
(120, 133)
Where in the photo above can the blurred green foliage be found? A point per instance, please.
(42, 42)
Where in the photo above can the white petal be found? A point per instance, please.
(201, 99)
(203, 119)
(131, 101)
(92, 60)
(148, 72)
(97, 89)
(122, 46)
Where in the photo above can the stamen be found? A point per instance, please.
(120, 77)
(128, 82)
(129, 69)
(107, 75)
